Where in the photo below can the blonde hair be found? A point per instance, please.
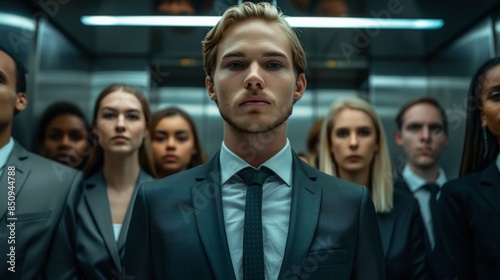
(381, 175)
(240, 13)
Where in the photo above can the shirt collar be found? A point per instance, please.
(5, 152)
(280, 163)
(415, 182)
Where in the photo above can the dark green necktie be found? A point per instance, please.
(433, 189)
(253, 246)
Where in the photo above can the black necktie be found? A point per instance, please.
(433, 189)
(253, 246)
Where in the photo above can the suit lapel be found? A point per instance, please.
(490, 179)
(18, 159)
(96, 198)
(207, 202)
(143, 177)
(386, 228)
(304, 215)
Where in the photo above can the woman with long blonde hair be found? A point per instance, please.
(353, 147)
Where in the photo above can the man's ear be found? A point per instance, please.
(210, 89)
(399, 138)
(21, 101)
(300, 87)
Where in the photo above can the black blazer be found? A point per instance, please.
(400, 184)
(42, 188)
(403, 239)
(177, 229)
(86, 248)
(469, 212)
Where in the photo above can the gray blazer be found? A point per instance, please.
(42, 188)
(177, 229)
(86, 247)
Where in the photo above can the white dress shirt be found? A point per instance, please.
(276, 202)
(5, 153)
(416, 183)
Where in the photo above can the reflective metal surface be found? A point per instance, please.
(69, 61)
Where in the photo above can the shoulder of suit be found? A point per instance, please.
(403, 195)
(39, 162)
(54, 177)
(182, 180)
(399, 182)
(339, 186)
(463, 183)
(42, 163)
(404, 200)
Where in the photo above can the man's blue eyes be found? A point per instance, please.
(237, 65)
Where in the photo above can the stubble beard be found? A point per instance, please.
(261, 128)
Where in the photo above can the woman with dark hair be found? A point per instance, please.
(119, 162)
(63, 134)
(480, 145)
(469, 207)
(176, 145)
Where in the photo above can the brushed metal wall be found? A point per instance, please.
(59, 70)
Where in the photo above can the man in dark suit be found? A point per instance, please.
(422, 132)
(33, 190)
(193, 225)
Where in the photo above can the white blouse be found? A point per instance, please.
(117, 228)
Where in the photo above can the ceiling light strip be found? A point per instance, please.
(17, 21)
(300, 22)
